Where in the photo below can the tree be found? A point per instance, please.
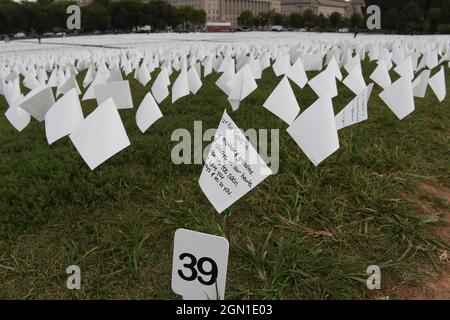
(323, 21)
(186, 16)
(309, 18)
(200, 17)
(335, 20)
(125, 15)
(296, 20)
(278, 19)
(356, 20)
(258, 20)
(434, 18)
(9, 17)
(58, 14)
(159, 14)
(391, 19)
(413, 17)
(36, 18)
(267, 18)
(446, 12)
(246, 19)
(95, 17)
(345, 22)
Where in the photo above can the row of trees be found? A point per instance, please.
(50, 15)
(401, 16)
(307, 19)
(414, 15)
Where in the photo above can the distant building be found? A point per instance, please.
(229, 10)
(325, 7)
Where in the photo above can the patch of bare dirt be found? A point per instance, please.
(438, 192)
(437, 286)
(444, 194)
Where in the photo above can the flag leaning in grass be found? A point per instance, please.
(233, 166)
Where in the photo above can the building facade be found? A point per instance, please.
(229, 10)
(326, 7)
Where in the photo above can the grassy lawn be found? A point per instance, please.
(305, 233)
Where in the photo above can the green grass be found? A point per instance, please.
(305, 233)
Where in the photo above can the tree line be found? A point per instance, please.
(298, 20)
(414, 15)
(124, 15)
(402, 16)
(42, 16)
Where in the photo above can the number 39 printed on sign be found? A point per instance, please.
(199, 265)
(193, 265)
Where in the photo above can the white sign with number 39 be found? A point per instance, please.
(199, 266)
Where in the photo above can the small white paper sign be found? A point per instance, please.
(282, 102)
(101, 135)
(159, 87)
(148, 113)
(18, 117)
(437, 84)
(199, 267)
(233, 166)
(399, 97)
(63, 117)
(119, 91)
(37, 102)
(315, 131)
(355, 111)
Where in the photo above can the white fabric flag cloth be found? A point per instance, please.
(143, 75)
(355, 111)
(355, 81)
(37, 102)
(381, 76)
(12, 92)
(282, 102)
(315, 131)
(353, 63)
(399, 97)
(180, 87)
(324, 84)
(69, 84)
(101, 135)
(18, 117)
(207, 64)
(160, 89)
(119, 91)
(100, 78)
(233, 166)
(31, 83)
(405, 69)
(223, 80)
(282, 65)
(431, 59)
(297, 74)
(115, 75)
(420, 84)
(194, 80)
(313, 62)
(63, 117)
(333, 68)
(148, 113)
(437, 84)
(242, 85)
(255, 66)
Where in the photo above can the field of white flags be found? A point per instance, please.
(323, 154)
